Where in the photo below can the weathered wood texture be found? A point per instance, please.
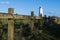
(10, 29)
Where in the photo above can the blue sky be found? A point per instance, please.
(24, 7)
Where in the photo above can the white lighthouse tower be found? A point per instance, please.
(40, 11)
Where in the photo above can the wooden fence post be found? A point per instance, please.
(10, 29)
(32, 21)
(1, 30)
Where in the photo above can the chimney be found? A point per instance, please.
(40, 11)
(11, 10)
(32, 13)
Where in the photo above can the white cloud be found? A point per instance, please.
(4, 2)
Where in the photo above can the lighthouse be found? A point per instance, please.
(40, 11)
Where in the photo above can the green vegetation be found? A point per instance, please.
(43, 30)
